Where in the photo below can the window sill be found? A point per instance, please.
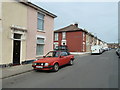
(39, 56)
(40, 31)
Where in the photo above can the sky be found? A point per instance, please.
(99, 18)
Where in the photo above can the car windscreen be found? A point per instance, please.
(53, 54)
(64, 54)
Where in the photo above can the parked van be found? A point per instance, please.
(97, 49)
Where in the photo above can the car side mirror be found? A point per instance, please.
(61, 56)
(43, 56)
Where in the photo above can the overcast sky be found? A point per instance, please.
(100, 18)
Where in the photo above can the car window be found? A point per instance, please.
(56, 54)
(53, 54)
(68, 53)
(64, 54)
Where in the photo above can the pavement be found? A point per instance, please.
(16, 70)
(19, 69)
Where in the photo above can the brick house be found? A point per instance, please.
(72, 36)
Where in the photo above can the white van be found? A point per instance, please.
(97, 49)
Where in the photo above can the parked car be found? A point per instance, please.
(106, 49)
(109, 48)
(118, 51)
(97, 49)
(53, 60)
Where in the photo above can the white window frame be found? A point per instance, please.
(38, 36)
(55, 45)
(83, 36)
(42, 19)
(83, 46)
(63, 41)
(14, 31)
(63, 35)
(56, 37)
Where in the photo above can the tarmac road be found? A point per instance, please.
(89, 71)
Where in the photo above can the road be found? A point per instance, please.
(88, 71)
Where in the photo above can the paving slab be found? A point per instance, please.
(15, 70)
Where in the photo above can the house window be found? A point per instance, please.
(17, 36)
(40, 46)
(56, 46)
(56, 36)
(40, 24)
(83, 46)
(63, 35)
(83, 36)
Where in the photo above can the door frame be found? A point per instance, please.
(22, 31)
(13, 39)
(19, 51)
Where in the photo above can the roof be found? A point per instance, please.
(38, 8)
(71, 27)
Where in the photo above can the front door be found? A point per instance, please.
(16, 49)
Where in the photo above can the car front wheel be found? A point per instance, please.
(71, 62)
(55, 67)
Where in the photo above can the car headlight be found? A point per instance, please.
(46, 64)
(42, 64)
(34, 63)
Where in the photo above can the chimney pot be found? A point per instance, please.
(76, 24)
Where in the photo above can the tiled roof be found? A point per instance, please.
(71, 27)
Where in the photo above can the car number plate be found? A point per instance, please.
(39, 66)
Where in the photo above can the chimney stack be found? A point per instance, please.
(76, 24)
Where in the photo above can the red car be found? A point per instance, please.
(53, 60)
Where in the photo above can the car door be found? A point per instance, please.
(64, 58)
(68, 57)
(61, 59)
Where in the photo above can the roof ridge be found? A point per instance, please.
(71, 27)
(64, 27)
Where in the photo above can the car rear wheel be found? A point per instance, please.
(71, 62)
(55, 67)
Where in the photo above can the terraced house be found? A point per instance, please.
(26, 32)
(72, 36)
(76, 39)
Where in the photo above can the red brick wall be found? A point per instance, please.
(59, 38)
(74, 41)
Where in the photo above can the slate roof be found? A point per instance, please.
(71, 27)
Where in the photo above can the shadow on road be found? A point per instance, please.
(50, 71)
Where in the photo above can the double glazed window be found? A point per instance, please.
(40, 46)
(40, 24)
(56, 36)
(63, 35)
